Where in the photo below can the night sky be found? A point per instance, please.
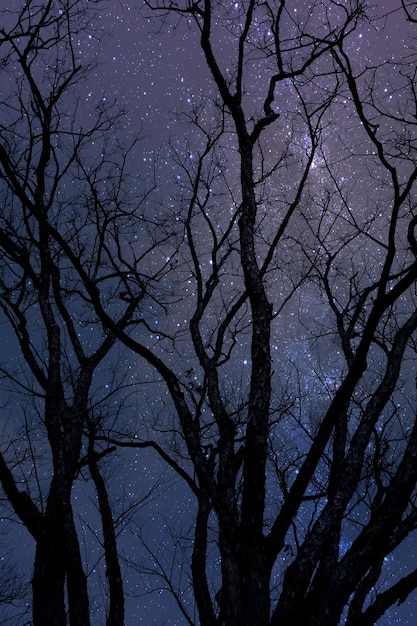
(156, 72)
(153, 73)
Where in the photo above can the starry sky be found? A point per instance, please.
(154, 74)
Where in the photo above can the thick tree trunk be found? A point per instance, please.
(48, 584)
(238, 606)
(54, 566)
(255, 585)
(58, 562)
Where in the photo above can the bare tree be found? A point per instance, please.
(305, 483)
(51, 178)
(272, 304)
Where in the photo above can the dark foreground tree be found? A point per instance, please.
(62, 383)
(274, 310)
(289, 356)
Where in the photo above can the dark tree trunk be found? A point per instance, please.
(116, 612)
(48, 583)
(198, 564)
(55, 565)
(58, 561)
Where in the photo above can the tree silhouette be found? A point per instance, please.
(50, 179)
(303, 495)
(270, 296)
